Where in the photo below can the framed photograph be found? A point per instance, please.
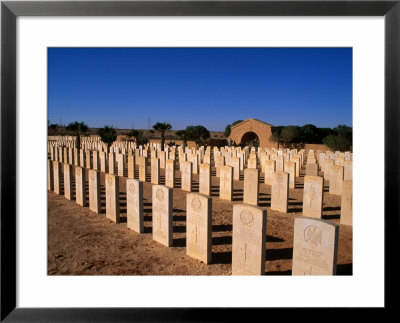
(50, 45)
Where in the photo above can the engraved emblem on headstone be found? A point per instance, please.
(313, 235)
(196, 204)
(246, 217)
(160, 195)
(132, 188)
(279, 179)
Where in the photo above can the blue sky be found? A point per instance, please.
(213, 87)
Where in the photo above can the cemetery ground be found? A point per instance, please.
(81, 242)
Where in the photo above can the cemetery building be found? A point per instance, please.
(252, 132)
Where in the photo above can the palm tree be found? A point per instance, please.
(78, 128)
(108, 135)
(162, 128)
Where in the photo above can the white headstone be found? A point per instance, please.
(198, 219)
(134, 205)
(162, 214)
(248, 240)
(315, 245)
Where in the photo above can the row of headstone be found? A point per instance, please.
(315, 241)
(196, 157)
(312, 196)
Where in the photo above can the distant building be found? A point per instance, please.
(252, 132)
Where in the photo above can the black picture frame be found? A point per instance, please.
(10, 10)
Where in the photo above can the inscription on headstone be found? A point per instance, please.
(290, 168)
(313, 196)
(198, 221)
(162, 214)
(170, 173)
(94, 191)
(68, 181)
(269, 168)
(155, 171)
(279, 163)
(336, 179)
(186, 176)
(120, 165)
(248, 240)
(205, 179)
(112, 195)
(226, 183)
(134, 205)
(219, 161)
(57, 177)
(80, 186)
(315, 246)
(280, 192)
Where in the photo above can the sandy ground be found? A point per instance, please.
(81, 242)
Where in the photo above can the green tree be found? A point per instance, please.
(197, 133)
(78, 128)
(276, 135)
(183, 135)
(141, 140)
(324, 132)
(108, 135)
(133, 134)
(345, 132)
(162, 128)
(341, 140)
(309, 134)
(335, 143)
(290, 135)
(227, 131)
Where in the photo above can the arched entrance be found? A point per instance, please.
(250, 139)
(252, 131)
